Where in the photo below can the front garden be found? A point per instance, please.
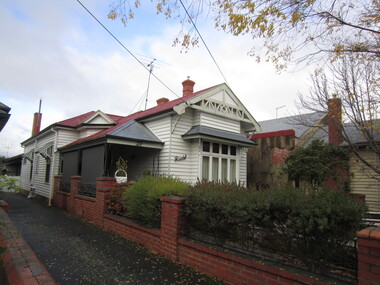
(312, 229)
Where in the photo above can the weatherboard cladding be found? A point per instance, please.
(187, 168)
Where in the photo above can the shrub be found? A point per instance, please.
(9, 183)
(317, 162)
(314, 226)
(143, 197)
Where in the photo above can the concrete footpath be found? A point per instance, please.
(75, 252)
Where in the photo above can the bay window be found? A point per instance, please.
(219, 162)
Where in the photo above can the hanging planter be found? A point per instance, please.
(121, 176)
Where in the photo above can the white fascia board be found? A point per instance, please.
(135, 143)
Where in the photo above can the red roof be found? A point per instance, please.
(141, 114)
(76, 121)
(273, 134)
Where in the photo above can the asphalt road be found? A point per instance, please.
(75, 252)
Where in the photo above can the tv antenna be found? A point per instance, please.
(278, 109)
(150, 65)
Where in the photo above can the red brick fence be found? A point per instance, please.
(168, 241)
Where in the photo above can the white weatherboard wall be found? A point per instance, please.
(186, 169)
(42, 187)
(218, 122)
(25, 168)
(39, 166)
(161, 128)
(362, 181)
(64, 137)
(243, 166)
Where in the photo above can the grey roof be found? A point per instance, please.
(135, 131)
(299, 123)
(216, 133)
(357, 137)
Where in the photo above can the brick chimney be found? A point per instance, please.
(162, 100)
(36, 123)
(188, 87)
(334, 120)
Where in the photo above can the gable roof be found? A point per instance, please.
(73, 122)
(78, 120)
(154, 111)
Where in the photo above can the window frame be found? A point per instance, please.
(221, 158)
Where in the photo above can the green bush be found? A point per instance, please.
(313, 226)
(316, 163)
(9, 183)
(143, 197)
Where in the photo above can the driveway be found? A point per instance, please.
(76, 252)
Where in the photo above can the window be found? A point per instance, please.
(47, 172)
(219, 162)
(205, 167)
(31, 166)
(37, 164)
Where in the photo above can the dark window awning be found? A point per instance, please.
(212, 133)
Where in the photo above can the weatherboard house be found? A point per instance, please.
(201, 135)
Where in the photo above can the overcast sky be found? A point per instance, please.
(56, 51)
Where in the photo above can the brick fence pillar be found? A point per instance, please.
(172, 222)
(4, 205)
(104, 185)
(74, 188)
(369, 256)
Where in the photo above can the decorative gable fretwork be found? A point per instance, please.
(222, 108)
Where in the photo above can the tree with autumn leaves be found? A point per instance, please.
(342, 36)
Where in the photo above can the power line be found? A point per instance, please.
(104, 27)
(203, 41)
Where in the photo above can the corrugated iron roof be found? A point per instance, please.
(134, 131)
(299, 123)
(216, 133)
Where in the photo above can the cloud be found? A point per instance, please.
(60, 54)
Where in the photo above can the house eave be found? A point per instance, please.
(218, 139)
(136, 143)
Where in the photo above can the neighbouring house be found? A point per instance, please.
(4, 115)
(41, 159)
(280, 136)
(12, 165)
(201, 135)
